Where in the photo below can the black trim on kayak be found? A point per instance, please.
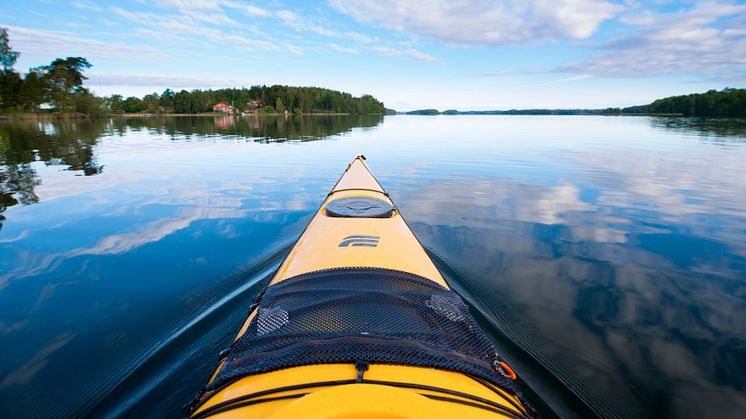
(246, 400)
(500, 392)
(359, 207)
(383, 316)
(448, 391)
(235, 404)
(382, 192)
(472, 404)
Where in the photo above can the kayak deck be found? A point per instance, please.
(320, 246)
(357, 321)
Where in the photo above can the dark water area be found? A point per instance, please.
(605, 256)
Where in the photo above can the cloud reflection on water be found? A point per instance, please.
(636, 272)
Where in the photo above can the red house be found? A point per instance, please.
(222, 107)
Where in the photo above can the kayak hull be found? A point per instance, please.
(340, 243)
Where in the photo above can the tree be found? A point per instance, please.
(166, 100)
(133, 105)
(10, 86)
(114, 103)
(201, 101)
(8, 57)
(33, 90)
(279, 106)
(85, 102)
(64, 75)
(183, 102)
(152, 103)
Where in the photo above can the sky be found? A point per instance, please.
(414, 54)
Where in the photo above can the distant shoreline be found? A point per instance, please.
(68, 116)
(560, 112)
(727, 103)
(81, 116)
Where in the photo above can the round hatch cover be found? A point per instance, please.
(359, 207)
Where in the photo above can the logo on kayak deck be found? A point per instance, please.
(360, 241)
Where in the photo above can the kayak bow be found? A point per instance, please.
(357, 321)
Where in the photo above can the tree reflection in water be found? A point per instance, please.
(71, 144)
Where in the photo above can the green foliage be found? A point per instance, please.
(86, 103)
(267, 109)
(726, 103)
(8, 57)
(166, 101)
(152, 103)
(64, 76)
(424, 112)
(182, 102)
(114, 103)
(10, 86)
(33, 91)
(304, 99)
(133, 105)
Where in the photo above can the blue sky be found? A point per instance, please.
(464, 54)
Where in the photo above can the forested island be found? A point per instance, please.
(57, 90)
(727, 103)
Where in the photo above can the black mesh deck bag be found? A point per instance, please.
(349, 315)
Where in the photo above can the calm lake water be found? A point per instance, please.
(605, 256)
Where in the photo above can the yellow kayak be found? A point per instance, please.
(358, 322)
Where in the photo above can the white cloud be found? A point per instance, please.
(157, 81)
(481, 22)
(406, 52)
(186, 6)
(199, 11)
(708, 40)
(85, 4)
(359, 37)
(299, 23)
(42, 42)
(190, 4)
(559, 81)
(216, 18)
(177, 28)
(252, 10)
(303, 24)
(339, 48)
